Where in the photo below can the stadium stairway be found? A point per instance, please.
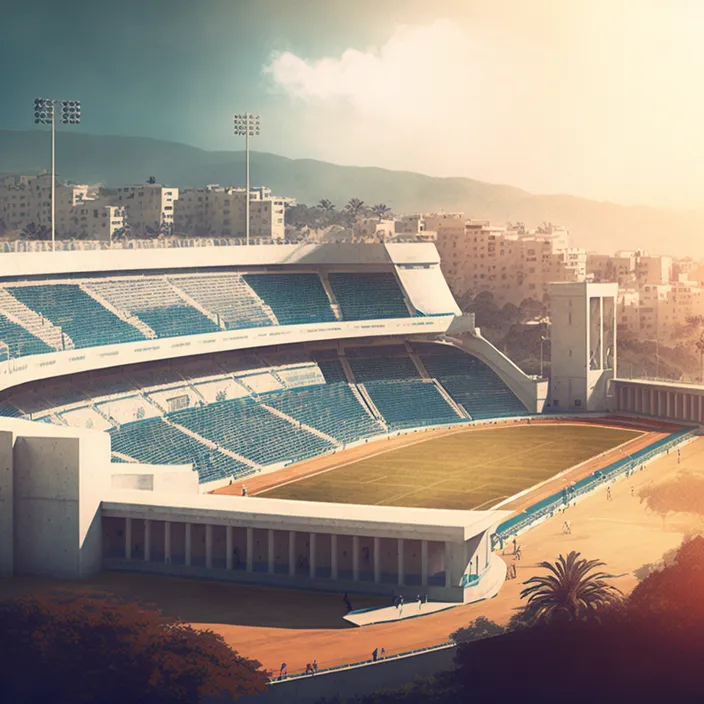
(331, 295)
(193, 303)
(19, 314)
(132, 320)
(210, 444)
(299, 424)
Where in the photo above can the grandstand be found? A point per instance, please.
(255, 364)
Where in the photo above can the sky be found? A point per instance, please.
(594, 98)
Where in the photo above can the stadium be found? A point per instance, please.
(385, 447)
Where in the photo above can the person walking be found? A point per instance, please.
(678, 455)
(244, 490)
(514, 546)
(282, 671)
(315, 667)
(347, 602)
(375, 654)
(420, 603)
(608, 493)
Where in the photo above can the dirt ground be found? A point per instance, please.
(274, 625)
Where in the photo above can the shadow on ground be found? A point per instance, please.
(199, 601)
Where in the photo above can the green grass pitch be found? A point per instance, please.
(470, 470)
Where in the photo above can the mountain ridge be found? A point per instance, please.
(115, 160)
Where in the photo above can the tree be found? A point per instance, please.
(327, 205)
(571, 591)
(381, 210)
(96, 648)
(481, 627)
(354, 208)
(684, 493)
(151, 180)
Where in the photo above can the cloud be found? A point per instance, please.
(420, 72)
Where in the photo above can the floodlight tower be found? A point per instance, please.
(45, 114)
(246, 125)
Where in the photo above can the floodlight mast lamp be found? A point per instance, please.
(45, 114)
(246, 125)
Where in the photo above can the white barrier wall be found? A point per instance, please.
(24, 369)
(60, 476)
(124, 261)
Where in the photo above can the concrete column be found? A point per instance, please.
(355, 558)
(250, 549)
(400, 562)
(270, 550)
(228, 547)
(167, 542)
(333, 556)
(668, 404)
(377, 560)
(147, 539)
(701, 409)
(208, 546)
(292, 552)
(128, 538)
(188, 545)
(448, 576)
(424, 563)
(601, 332)
(311, 557)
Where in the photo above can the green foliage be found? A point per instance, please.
(94, 648)
(572, 590)
(481, 627)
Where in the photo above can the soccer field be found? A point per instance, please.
(469, 470)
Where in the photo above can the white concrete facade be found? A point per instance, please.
(583, 343)
(69, 517)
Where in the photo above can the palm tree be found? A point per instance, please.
(151, 180)
(380, 210)
(354, 207)
(327, 205)
(572, 590)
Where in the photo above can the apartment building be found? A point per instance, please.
(215, 210)
(80, 212)
(477, 256)
(149, 207)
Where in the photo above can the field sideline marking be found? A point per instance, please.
(464, 430)
(359, 459)
(535, 487)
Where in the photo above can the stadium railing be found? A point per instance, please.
(549, 505)
(362, 663)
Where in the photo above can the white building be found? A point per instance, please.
(149, 207)
(219, 211)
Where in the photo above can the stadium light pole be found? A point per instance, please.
(246, 125)
(45, 114)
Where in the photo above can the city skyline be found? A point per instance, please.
(592, 100)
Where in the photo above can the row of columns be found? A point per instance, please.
(675, 405)
(334, 573)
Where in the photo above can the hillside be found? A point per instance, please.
(115, 161)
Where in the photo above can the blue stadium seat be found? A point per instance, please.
(155, 442)
(81, 317)
(157, 304)
(243, 426)
(471, 383)
(410, 403)
(368, 296)
(20, 342)
(229, 297)
(294, 298)
(330, 408)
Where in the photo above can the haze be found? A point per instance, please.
(596, 98)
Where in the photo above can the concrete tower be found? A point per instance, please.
(583, 345)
